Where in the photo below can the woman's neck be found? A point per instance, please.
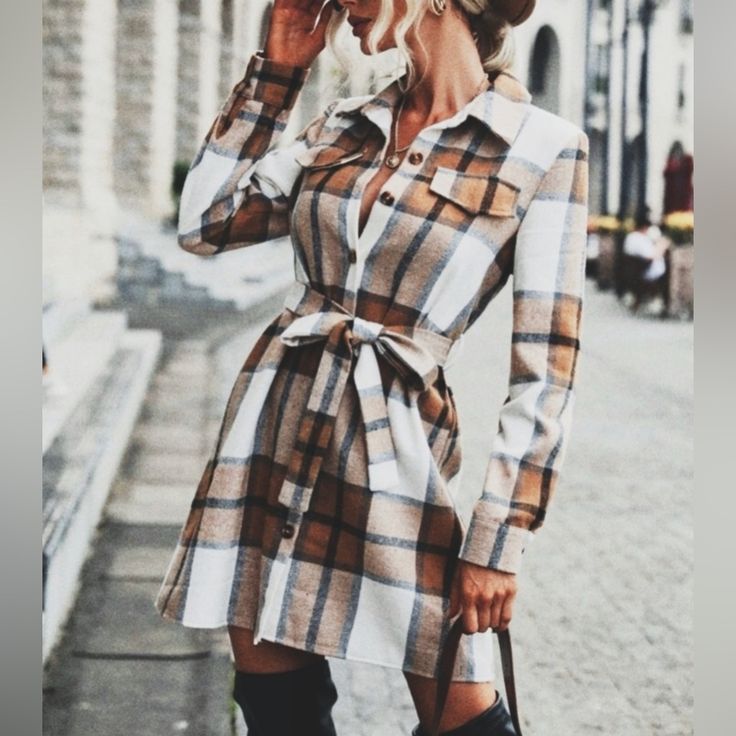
(450, 74)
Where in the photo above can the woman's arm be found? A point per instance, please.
(534, 422)
(236, 192)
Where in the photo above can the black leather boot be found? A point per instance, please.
(294, 703)
(495, 721)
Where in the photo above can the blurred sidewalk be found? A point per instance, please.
(605, 603)
(603, 619)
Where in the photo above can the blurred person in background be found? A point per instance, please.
(678, 180)
(645, 248)
(593, 251)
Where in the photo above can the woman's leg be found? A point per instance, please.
(465, 700)
(282, 691)
(267, 656)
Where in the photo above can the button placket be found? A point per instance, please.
(391, 191)
(355, 255)
(288, 530)
(387, 198)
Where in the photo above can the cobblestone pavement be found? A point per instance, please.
(119, 668)
(602, 626)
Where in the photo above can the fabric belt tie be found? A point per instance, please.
(415, 353)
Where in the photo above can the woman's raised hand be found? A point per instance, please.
(486, 597)
(295, 36)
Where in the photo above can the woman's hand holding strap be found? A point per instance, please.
(485, 595)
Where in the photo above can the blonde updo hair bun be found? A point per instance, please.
(491, 22)
(515, 11)
(491, 27)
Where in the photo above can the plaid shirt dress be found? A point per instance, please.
(326, 518)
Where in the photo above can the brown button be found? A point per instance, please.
(415, 158)
(351, 255)
(287, 531)
(387, 198)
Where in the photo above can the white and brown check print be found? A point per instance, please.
(326, 517)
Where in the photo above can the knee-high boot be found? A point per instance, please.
(294, 703)
(494, 721)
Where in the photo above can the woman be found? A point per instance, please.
(326, 522)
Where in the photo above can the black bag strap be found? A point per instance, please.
(447, 664)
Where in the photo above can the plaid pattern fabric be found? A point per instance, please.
(326, 517)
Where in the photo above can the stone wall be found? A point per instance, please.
(146, 121)
(228, 69)
(131, 86)
(187, 103)
(79, 118)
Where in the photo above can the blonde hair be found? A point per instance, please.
(491, 31)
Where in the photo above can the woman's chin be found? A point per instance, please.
(367, 52)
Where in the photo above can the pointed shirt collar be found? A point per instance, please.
(502, 107)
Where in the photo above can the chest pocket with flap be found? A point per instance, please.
(323, 167)
(325, 156)
(476, 193)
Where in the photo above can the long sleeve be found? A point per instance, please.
(237, 189)
(534, 422)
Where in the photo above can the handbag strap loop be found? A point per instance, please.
(447, 664)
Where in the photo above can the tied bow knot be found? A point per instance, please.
(364, 330)
(415, 354)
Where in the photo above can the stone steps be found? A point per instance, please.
(153, 268)
(78, 354)
(84, 446)
(120, 667)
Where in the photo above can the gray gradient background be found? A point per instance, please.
(20, 449)
(20, 445)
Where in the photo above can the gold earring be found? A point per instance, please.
(437, 6)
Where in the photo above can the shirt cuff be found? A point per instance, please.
(271, 82)
(495, 545)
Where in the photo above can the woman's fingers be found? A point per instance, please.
(296, 33)
(325, 16)
(455, 597)
(307, 5)
(506, 612)
(470, 619)
(494, 612)
(484, 617)
(481, 615)
(486, 597)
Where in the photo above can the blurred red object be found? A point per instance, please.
(678, 181)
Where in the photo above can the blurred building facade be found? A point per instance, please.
(640, 100)
(130, 87)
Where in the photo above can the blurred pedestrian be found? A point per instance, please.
(645, 246)
(678, 180)
(593, 251)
